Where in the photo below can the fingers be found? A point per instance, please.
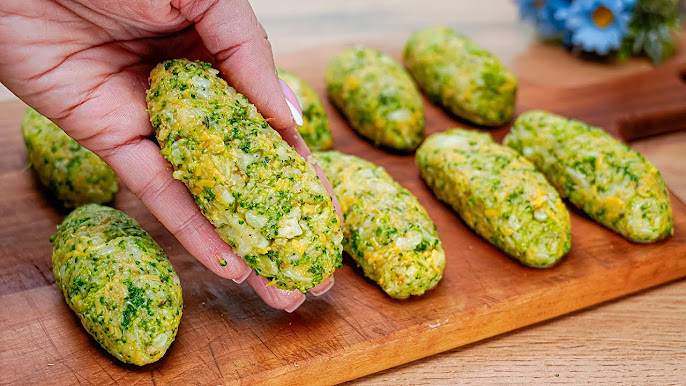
(144, 171)
(231, 32)
(282, 299)
(140, 166)
(321, 288)
(275, 297)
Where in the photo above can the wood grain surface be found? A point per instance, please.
(637, 339)
(227, 334)
(634, 340)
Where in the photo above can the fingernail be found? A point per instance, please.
(295, 113)
(295, 306)
(289, 95)
(242, 278)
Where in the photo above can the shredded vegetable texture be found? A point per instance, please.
(315, 130)
(73, 174)
(499, 194)
(461, 76)
(119, 282)
(600, 175)
(377, 97)
(264, 199)
(387, 231)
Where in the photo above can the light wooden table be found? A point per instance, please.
(639, 339)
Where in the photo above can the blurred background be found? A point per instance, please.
(299, 25)
(302, 24)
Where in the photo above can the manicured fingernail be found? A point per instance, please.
(295, 306)
(295, 113)
(242, 278)
(291, 100)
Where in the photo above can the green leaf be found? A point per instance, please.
(652, 29)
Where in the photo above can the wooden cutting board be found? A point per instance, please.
(228, 335)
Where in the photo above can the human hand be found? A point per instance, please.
(84, 64)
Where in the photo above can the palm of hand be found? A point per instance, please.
(89, 78)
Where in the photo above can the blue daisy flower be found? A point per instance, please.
(542, 13)
(598, 25)
(558, 11)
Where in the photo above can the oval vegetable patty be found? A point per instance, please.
(498, 193)
(315, 129)
(263, 198)
(387, 231)
(119, 282)
(600, 175)
(73, 174)
(461, 76)
(377, 97)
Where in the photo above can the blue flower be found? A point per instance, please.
(558, 10)
(598, 25)
(542, 13)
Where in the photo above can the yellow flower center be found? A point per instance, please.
(602, 17)
(539, 4)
